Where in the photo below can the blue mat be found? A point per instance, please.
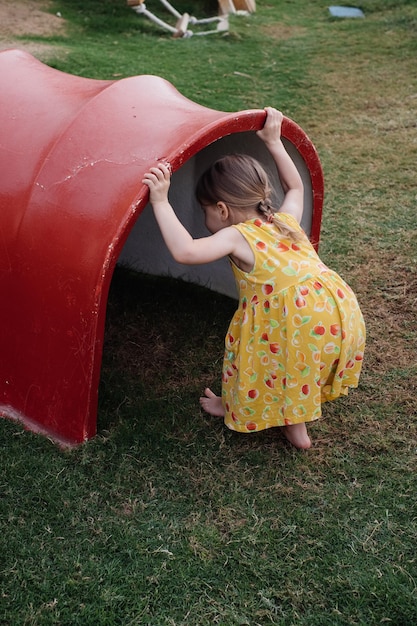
(346, 12)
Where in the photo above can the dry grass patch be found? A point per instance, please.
(29, 18)
(281, 32)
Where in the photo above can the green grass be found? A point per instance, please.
(167, 518)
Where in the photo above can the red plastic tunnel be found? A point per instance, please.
(72, 155)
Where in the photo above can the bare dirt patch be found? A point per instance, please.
(21, 18)
(282, 31)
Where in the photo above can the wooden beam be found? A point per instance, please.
(181, 26)
(245, 5)
(226, 7)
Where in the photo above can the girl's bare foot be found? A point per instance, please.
(297, 435)
(211, 403)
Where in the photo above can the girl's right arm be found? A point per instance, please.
(179, 242)
(289, 176)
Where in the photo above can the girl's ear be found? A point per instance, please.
(223, 210)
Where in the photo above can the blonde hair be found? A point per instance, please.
(241, 183)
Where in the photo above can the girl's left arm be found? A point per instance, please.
(179, 242)
(289, 175)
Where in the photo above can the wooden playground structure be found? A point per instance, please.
(183, 21)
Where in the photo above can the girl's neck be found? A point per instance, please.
(238, 217)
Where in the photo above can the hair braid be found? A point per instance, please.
(265, 207)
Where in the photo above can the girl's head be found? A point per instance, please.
(241, 183)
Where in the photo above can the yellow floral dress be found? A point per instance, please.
(297, 338)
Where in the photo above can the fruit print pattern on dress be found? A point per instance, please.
(297, 338)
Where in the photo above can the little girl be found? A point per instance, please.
(298, 335)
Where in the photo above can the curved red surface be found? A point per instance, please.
(72, 155)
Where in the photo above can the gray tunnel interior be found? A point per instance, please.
(145, 250)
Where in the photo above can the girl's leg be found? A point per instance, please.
(297, 435)
(211, 403)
